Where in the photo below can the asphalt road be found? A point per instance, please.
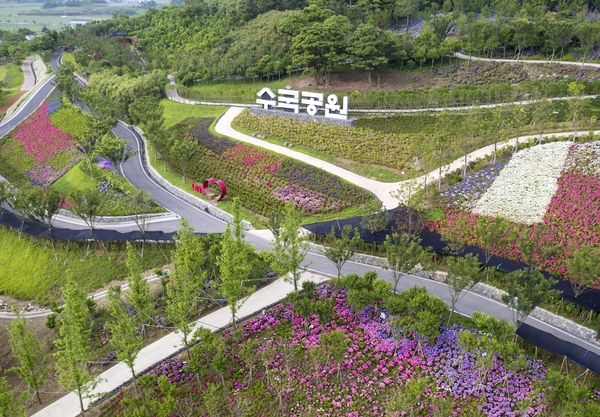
(203, 222)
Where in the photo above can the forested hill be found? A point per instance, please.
(206, 39)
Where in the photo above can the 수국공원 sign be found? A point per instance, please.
(316, 107)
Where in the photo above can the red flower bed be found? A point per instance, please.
(40, 138)
(572, 220)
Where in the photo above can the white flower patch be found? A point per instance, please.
(526, 184)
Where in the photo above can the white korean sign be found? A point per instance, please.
(291, 100)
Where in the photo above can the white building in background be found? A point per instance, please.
(75, 22)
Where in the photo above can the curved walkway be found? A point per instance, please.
(382, 190)
(524, 61)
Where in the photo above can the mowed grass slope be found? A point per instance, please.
(176, 112)
(32, 270)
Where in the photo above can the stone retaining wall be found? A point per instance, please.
(486, 290)
(304, 117)
(207, 206)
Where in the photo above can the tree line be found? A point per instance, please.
(205, 40)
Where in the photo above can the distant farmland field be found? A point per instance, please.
(32, 16)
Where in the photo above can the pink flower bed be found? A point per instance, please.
(572, 220)
(40, 138)
(377, 366)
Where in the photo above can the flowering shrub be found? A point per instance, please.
(264, 181)
(525, 186)
(376, 372)
(40, 138)
(468, 191)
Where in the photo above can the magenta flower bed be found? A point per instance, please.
(376, 368)
(264, 181)
(40, 138)
(572, 220)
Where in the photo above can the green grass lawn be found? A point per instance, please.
(176, 112)
(240, 91)
(32, 270)
(12, 77)
(114, 204)
(74, 179)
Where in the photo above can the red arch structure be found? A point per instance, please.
(203, 189)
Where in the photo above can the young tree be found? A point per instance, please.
(125, 339)
(290, 249)
(463, 274)
(583, 269)
(8, 406)
(73, 346)
(141, 204)
(139, 291)
(183, 290)
(542, 114)
(183, 152)
(527, 289)
(86, 206)
(377, 221)
(492, 233)
(6, 193)
(115, 150)
(402, 254)
(47, 207)
(576, 105)
(234, 264)
(25, 346)
(519, 118)
(341, 250)
(23, 202)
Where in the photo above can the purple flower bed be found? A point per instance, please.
(378, 368)
(465, 193)
(176, 371)
(316, 179)
(202, 135)
(55, 103)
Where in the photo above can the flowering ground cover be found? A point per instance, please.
(40, 138)
(264, 181)
(569, 220)
(525, 186)
(465, 193)
(340, 362)
(38, 152)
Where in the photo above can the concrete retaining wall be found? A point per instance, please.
(486, 290)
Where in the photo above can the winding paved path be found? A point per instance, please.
(319, 268)
(383, 190)
(524, 61)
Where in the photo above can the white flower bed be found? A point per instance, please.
(40, 69)
(526, 184)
